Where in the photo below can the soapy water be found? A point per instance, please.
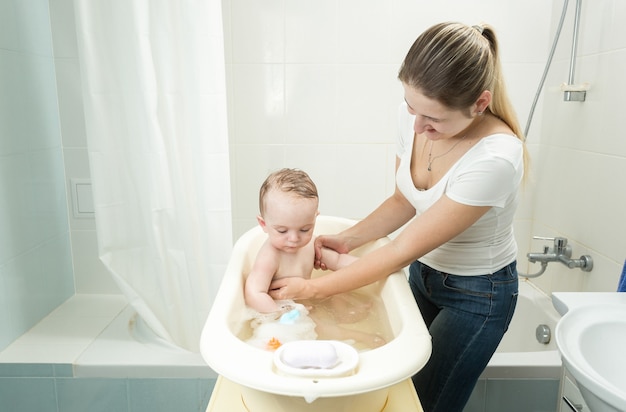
(355, 318)
(270, 330)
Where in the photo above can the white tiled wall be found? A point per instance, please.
(581, 165)
(312, 85)
(35, 255)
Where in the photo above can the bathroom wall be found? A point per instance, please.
(35, 255)
(580, 165)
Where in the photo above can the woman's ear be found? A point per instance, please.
(483, 102)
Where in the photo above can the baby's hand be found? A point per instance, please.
(317, 261)
(318, 264)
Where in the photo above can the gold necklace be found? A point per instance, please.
(431, 159)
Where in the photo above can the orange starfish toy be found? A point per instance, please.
(273, 344)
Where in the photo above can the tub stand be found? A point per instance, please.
(226, 396)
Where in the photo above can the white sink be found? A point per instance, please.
(592, 342)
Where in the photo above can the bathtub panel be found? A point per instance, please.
(521, 396)
(27, 394)
(95, 395)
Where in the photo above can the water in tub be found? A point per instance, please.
(357, 318)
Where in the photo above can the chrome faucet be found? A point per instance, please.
(560, 252)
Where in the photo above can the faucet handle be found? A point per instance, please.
(544, 238)
(560, 243)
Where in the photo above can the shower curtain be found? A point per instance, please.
(155, 110)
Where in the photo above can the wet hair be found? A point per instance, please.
(454, 63)
(288, 181)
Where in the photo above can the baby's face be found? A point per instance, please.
(289, 220)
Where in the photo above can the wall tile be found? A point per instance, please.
(163, 395)
(258, 31)
(311, 104)
(41, 121)
(17, 394)
(22, 370)
(593, 15)
(9, 30)
(476, 402)
(617, 34)
(21, 279)
(311, 31)
(71, 103)
(365, 31)
(95, 394)
(258, 104)
(13, 179)
(91, 275)
(33, 20)
(12, 110)
(372, 119)
(63, 28)
(513, 395)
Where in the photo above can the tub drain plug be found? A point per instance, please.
(543, 334)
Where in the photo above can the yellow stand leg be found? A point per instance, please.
(226, 397)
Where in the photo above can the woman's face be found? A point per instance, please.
(432, 119)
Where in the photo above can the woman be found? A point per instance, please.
(459, 164)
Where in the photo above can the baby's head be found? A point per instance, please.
(288, 202)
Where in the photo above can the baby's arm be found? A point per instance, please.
(258, 283)
(334, 260)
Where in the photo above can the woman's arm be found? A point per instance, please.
(394, 212)
(387, 218)
(439, 224)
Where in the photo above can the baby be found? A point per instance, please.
(288, 203)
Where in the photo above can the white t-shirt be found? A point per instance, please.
(489, 174)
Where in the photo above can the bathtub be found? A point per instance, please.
(520, 355)
(252, 368)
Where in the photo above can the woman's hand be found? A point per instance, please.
(291, 288)
(337, 243)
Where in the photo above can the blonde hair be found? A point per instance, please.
(454, 63)
(289, 181)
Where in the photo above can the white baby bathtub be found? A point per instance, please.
(251, 367)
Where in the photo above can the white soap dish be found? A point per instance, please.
(316, 358)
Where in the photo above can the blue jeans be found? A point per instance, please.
(466, 317)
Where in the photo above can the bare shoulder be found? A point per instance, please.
(267, 259)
